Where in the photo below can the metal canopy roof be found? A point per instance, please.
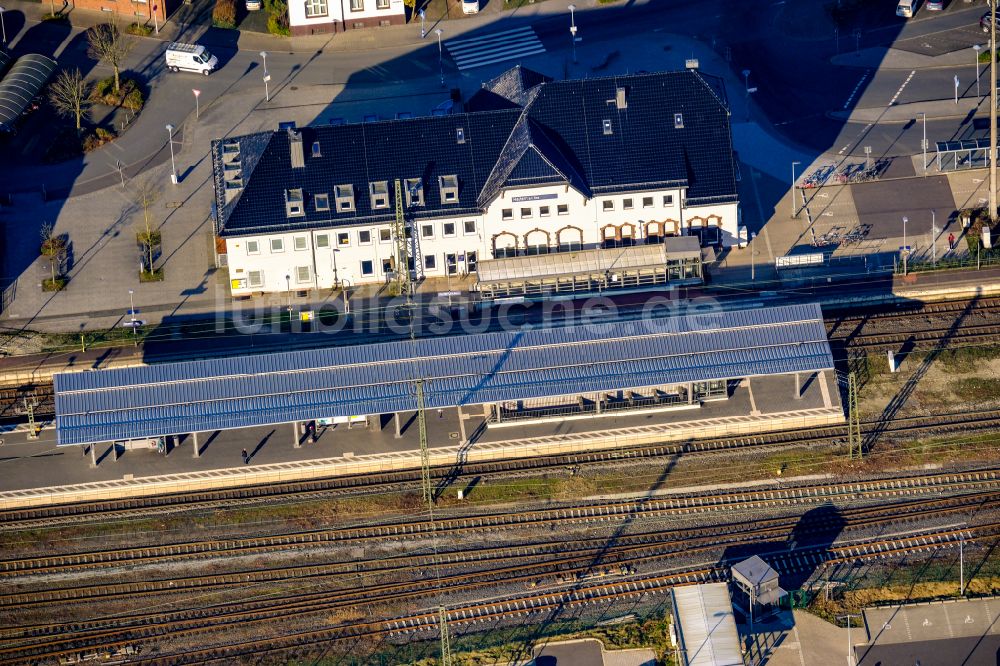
(587, 262)
(267, 389)
(963, 144)
(705, 625)
(24, 80)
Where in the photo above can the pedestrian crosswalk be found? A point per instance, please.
(495, 47)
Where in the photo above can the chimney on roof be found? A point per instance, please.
(620, 102)
(296, 149)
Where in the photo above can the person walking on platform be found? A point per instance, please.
(951, 241)
(246, 457)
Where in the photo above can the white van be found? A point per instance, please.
(190, 58)
(906, 8)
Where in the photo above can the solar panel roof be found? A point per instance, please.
(173, 398)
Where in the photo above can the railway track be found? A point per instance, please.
(575, 593)
(560, 552)
(403, 480)
(654, 507)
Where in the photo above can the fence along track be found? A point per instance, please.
(644, 507)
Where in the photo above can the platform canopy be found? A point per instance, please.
(20, 85)
(457, 370)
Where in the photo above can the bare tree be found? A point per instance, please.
(109, 43)
(53, 248)
(69, 95)
(145, 196)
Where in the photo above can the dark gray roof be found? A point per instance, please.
(755, 571)
(5, 60)
(25, 79)
(265, 389)
(542, 131)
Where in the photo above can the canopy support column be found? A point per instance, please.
(93, 455)
(461, 425)
(296, 438)
(194, 441)
(399, 431)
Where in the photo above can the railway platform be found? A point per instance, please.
(38, 473)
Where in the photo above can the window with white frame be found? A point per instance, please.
(367, 267)
(525, 213)
(277, 245)
(448, 229)
(315, 8)
(381, 4)
(343, 239)
(507, 214)
(430, 262)
(379, 194)
(562, 209)
(414, 192)
(608, 205)
(384, 235)
(470, 227)
(294, 203)
(255, 278)
(449, 189)
(302, 274)
(253, 247)
(345, 198)
(647, 202)
(543, 211)
(301, 243)
(357, 5)
(427, 231)
(668, 200)
(627, 204)
(322, 241)
(364, 237)
(386, 266)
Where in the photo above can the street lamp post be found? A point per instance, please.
(423, 33)
(288, 291)
(923, 143)
(753, 253)
(906, 251)
(336, 282)
(346, 291)
(173, 164)
(267, 77)
(2, 26)
(439, 32)
(850, 659)
(933, 238)
(977, 48)
(746, 81)
(197, 103)
(795, 211)
(572, 28)
(956, 89)
(131, 314)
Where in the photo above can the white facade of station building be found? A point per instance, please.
(529, 221)
(311, 17)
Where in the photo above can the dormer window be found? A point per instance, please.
(294, 203)
(344, 195)
(459, 135)
(414, 192)
(322, 201)
(316, 152)
(678, 121)
(379, 193)
(606, 124)
(449, 189)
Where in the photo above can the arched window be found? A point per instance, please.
(654, 232)
(713, 221)
(610, 235)
(694, 222)
(569, 239)
(504, 245)
(626, 233)
(536, 241)
(671, 227)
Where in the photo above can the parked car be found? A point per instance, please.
(934, 5)
(984, 22)
(190, 58)
(253, 5)
(470, 6)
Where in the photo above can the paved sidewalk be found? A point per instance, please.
(890, 58)
(904, 113)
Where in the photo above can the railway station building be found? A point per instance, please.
(755, 364)
(539, 185)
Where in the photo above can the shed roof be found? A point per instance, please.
(265, 389)
(705, 625)
(24, 80)
(754, 571)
